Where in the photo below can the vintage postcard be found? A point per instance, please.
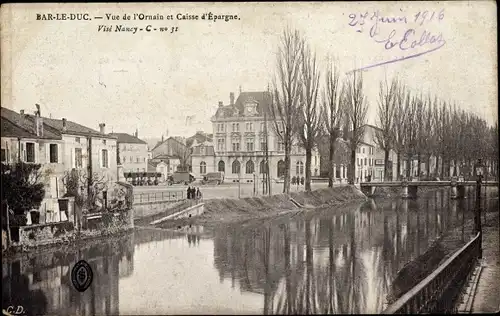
(249, 158)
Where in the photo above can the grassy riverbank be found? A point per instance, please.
(236, 210)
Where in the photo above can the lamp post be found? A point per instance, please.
(477, 215)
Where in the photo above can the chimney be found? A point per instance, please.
(162, 138)
(64, 128)
(21, 112)
(220, 103)
(231, 98)
(102, 128)
(136, 133)
(38, 123)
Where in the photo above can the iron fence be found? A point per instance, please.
(152, 197)
(440, 291)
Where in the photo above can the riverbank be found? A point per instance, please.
(225, 211)
(439, 251)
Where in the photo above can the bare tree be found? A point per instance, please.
(286, 93)
(399, 128)
(332, 113)
(384, 137)
(356, 108)
(410, 131)
(310, 124)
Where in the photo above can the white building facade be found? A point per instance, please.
(239, 142)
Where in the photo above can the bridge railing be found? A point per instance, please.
(438, 293)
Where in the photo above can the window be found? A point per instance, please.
(249, 127)
(77, 139)
(281, 168)
(138, 160)
(203, 167)
(222, 166)
(220, 144)
(236, 146)
(262, 129)
(30, 152)
(53, 153)
(124, 158)
(220, 127)
(365, 162)
(337, 172)
(78, 158)
(359, 164)
(143, 159)
(105, 158)
(4, 155)
(236, 167)
(236, 127)
(104, 141)
(250, 142)
(281, 146)
(250, 167)
(263, 146)
(363, 150)
(299, 168)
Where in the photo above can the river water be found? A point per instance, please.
(336, 260)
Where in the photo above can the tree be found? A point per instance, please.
(310, 123)
(356, 108)
(410, 126)
(332, 113)
(399, 128)
(76, 180)
(22, 188)
(286, 94)
(384, 137)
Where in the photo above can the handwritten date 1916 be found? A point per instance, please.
(412, 39)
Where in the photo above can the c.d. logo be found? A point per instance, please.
(81, 275)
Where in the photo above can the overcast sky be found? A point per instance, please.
(154, 81)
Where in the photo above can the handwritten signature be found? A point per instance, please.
(411, 40)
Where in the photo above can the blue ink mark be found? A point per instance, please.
(398, 59)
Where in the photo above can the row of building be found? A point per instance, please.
(237, 147)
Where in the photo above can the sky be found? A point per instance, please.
(159, 83)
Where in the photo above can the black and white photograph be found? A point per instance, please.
(185, 158)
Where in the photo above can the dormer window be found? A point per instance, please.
(250, 108)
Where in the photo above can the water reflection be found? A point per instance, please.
(42, 284)
(334, 263)
(336, 260)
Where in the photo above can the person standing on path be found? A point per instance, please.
(189, 193)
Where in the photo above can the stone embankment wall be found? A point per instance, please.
(103, 224)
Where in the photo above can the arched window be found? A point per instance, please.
(281, 168)
(249, 167)
(262, 167)
(236, 167)
(203, 167)
(222, 166)
(300, 167)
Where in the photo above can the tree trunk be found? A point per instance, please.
(331, 172)
(436, 167)
(408, 167)
(352, 173)
(386, 165)
(418, 166)
(286, 184)
(398, 172)
(428, 167)
(442, 167)
(308, 168)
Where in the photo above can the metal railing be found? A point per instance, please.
(165, 196)
(438, 293)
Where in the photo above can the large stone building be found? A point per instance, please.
(132, 151)
(238, 147)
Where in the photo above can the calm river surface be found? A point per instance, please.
(331, 261)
